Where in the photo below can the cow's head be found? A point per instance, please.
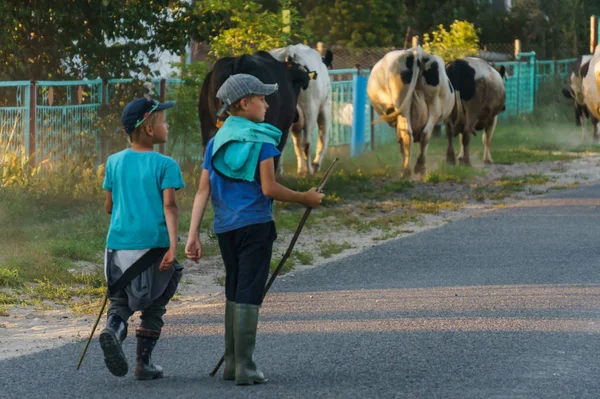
(300, 75)
(502, 71)
(328, 59)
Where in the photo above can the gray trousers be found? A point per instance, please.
(152, 316)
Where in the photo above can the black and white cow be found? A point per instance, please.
(315, 105)
(290, 77)
(578, 70)
(480, 98)
(411, 92)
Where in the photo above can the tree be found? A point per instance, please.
(239, 26)
(50, 39)
(461, 40)
(369, 23)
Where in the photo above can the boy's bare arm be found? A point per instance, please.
(171, 217)
(278, 192)
(108, 203)
(200, 202)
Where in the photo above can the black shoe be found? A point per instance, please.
(144, 369)
(111, 338)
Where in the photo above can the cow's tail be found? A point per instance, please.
(399, 110)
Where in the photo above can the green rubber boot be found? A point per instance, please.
(229, 370)
(244, 326)
(110, 341)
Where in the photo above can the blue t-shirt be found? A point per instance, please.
(238, 203)
(137, 180)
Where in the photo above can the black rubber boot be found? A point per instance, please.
(111, 338)
(229, 369)
(245, 323)
(144, 369)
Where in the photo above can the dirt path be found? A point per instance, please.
(27, 330)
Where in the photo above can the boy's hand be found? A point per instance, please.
(313, 198)
(168, 260)
(193, 248)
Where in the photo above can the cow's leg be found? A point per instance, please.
(299, 150)
(450, 157)
(596, 128)
(324, 122)
(461, 148)
(466, 138)
(486, 138)
(421, 166)
(405, 139)
(310, 124)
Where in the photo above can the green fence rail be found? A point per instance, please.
(14, 116)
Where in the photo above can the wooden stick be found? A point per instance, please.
(93, 329)
(288, 252)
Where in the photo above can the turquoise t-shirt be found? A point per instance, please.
(137, 180)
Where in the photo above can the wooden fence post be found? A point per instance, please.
(103, 138)
(517, 47)
(593, 33)
(163, 97)
(415, 41)
(31, 145)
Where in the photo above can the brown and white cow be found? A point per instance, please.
(579, 69)
(411, 92)
(480, 98)
(591, 87)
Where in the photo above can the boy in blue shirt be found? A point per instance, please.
(239, 176)
(140, 266)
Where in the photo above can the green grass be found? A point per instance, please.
(517, 155)
(330, 248)
(4, 311)
(452, 173)
(304, 257)
(220, 279)
(288, 266)
(10, 278)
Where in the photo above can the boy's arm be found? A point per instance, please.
(108, 203)
(172, 219)
(278, 192)
(193, 248)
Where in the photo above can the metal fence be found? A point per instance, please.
(58, 121)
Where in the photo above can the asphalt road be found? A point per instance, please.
(504, 304)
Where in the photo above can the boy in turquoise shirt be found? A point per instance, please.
(239, 176)
(140, 266)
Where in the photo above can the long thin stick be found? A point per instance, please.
(288, 252)
(93, 329)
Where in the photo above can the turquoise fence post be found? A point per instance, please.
(359, 102)
(31, 151)
(532, 81)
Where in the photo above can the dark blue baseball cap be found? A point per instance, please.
(139, 110)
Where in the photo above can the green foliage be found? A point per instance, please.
(462, 40)
(185, 142)
(55, 39)
(240, 26)
(370, 23)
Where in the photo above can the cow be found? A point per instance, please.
(579, 69)
(481, 97)
(290, 77)
(591, 85)
(411, 92)
(314, 103)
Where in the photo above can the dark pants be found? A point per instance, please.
(152, 316)
(247, 254)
